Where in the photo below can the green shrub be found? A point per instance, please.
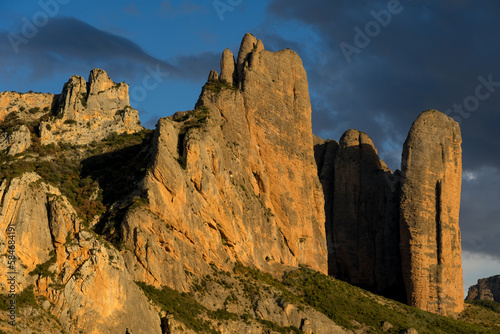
(217, 86)
(489, 304)
(42, 269)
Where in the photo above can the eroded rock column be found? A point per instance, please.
(429, 211)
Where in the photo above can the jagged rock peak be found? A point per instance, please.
(247, 45)
(100, 81)
(73, 96)
(89, 111)
(429, 212)
(213, 76)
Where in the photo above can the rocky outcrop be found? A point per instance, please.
(86, 284)
(90, 111)
(28, 106)
(364, 225)
(232, 180)
(15, 141)
(485, 289)
(429, 210)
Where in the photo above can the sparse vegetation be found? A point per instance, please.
(218, 85)
(182, 160)
(43, 268)
(182, 306)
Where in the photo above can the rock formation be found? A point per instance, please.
(84, 281)
(82, 113)
(429, 210)
(363, 222)
(485, 289)
(227, 67)
(234, 179)
(235, 182)
(87, 112)
(369, 244)
(16, 141)
(29, 106)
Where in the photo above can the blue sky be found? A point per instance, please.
(372, 65)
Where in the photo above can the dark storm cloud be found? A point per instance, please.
(69, 44)
(480, 213)
(432, 54)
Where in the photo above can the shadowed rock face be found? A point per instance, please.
(429, 210)
(234, 179)
(485, 289)
(362, 223)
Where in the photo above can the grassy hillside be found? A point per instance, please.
(348, 306)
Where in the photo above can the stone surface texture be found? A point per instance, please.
(90, 289)
(429, 211)
(233, 180)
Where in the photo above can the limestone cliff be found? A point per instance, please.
(83, 280)
(234, 179)
(485, 289)
(429, 210)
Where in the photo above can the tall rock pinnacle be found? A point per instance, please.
(227, 67)
(429, 209)
(362, 223)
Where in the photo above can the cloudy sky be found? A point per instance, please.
(372, 65)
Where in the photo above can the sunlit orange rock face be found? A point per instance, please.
(235, 179)
(429, 208)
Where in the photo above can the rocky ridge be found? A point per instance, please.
(84, 112)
